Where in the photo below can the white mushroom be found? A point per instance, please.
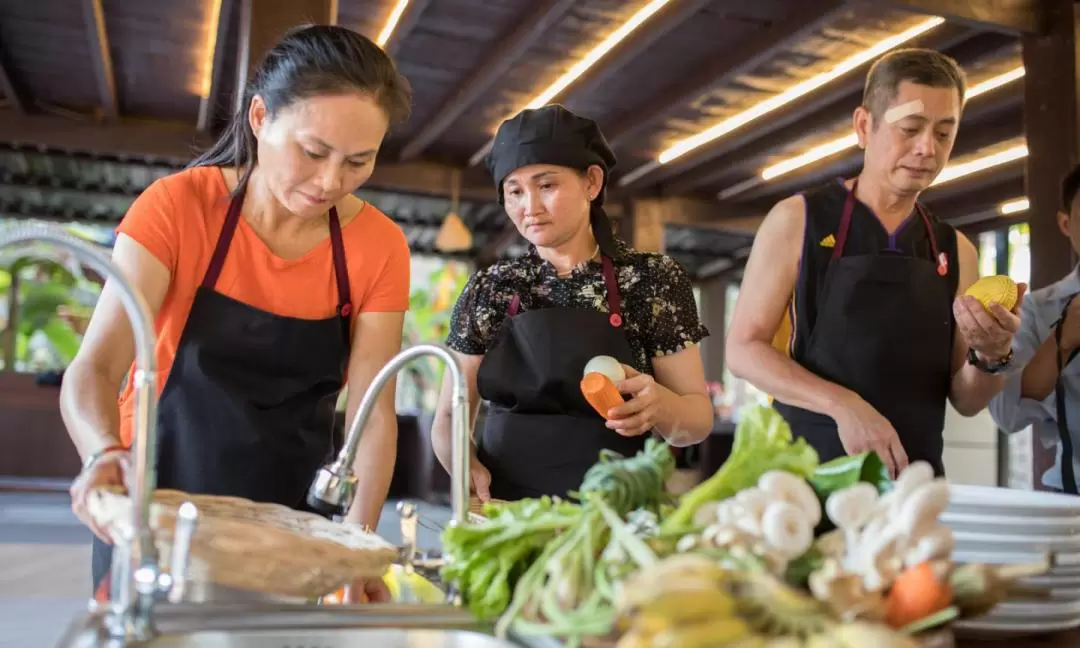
(753, 501)
(934, 544)
(787, 529)
(878, 562)
(921, 509)
(850, 509)
(914, 476)
(706, 514)
(794, 489)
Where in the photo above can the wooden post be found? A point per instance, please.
(647, 225)
(1050, 113)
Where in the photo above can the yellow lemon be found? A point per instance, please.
(996, 289)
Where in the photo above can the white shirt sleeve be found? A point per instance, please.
(1009, 409)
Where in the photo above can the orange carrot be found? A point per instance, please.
(600, 392)
(916, 594)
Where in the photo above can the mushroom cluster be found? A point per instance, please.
(877, 537)
(774, 521)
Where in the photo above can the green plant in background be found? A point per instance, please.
(52, 303)
(428, 321)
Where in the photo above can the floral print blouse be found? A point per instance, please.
(659, 313)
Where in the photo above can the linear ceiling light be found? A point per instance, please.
(391, 23)
(1014, 206)
(841, 144)
(583, 65)
(956, 171)
(207, 79)
(775, 102)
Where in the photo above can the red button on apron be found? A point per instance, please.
(615, 319)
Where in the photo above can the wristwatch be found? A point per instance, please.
(989, 367)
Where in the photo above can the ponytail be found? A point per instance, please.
(603, 231)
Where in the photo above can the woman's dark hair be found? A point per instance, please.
(308, 62)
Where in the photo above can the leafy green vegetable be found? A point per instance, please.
(843, 472)
(763, 442)
(535, 562)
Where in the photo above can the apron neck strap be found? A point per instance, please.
(845, 224)
(613, 299)
(228, 229)
(1068, 473)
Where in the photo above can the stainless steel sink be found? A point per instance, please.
(300, 626)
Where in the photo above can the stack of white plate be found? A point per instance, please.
(1003, 526)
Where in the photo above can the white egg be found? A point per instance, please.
(606, 365)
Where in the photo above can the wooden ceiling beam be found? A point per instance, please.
(408, 21)
(10, 86)
(101, 56)
(504, 56)
(942, 38)
(1007, 16)
(803, 18)
(264, 22)
(208, 105)
(659, 26)
(826, 118)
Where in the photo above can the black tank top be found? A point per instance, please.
(866, 235)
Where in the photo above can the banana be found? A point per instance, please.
(711, 634)
(634, 639)
(689, 606)
(785, 642)
(859, 634)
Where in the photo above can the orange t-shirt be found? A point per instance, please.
(178, 219)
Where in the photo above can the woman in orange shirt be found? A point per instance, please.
(272, 286)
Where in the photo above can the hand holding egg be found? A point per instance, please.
(606, 379)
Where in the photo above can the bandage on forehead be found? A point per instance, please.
(896, 113)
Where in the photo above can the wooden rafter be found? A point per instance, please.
(208, 105)
(670, 17)
(803, 18)
(10, 86)
(101, 56)
(502, 58)
(1009, 16)
(941, 38)
(409, 18)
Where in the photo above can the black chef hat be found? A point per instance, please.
(554, 135)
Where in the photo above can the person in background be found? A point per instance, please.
(271, 284)
(1044, 390)
(523, 330)
(873, 286)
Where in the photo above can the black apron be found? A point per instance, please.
(248, 407)
(540, 434)
(884, 330)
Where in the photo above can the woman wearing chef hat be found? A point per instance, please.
(524, 330)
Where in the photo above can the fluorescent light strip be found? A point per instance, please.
(391, 23)
(841, 144)
(796, 91)
(956, 171)
(583, 65)
(773, 103)
(1014, 206)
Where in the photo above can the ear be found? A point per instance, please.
(1063, 223)
(863, 122)
(595, 176)
(257, 114)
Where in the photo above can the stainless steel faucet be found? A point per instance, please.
(332, 491)
(136, 577)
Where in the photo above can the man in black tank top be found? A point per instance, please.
(872, 285)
